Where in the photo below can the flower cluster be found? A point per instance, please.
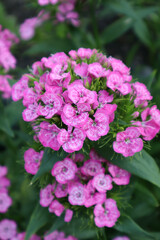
(65, 10)
(86, 97)
(8, 231)
(7, 60)
(5, 200)
(27, 28)
(85, 183)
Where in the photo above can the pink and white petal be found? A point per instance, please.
(69, 111)
(63, 136)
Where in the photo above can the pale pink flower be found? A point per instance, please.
(102, 182)
(5, 88)
(68, 215)
(118, 65)
(46, 195)
(7, 229)
(119, 175)
(31, 112)
(56, 207)
(7, 60)
(5, 202)
(64, 170)
(128, 142)
(43, 2)
(48, 135)
(55, 236)
(4, 183)
(71, 141)
(85, 53)
(107, 215)
(76, 194)
(155, 114)
(92, 167)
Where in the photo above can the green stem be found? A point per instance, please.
(94, 24)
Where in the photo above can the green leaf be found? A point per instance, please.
(5, 125)
(116, 29)
(141, 164)
(48, 160)
(142, 32)
(144, 12)
(129, 226)
(38, 219)
(59, 223)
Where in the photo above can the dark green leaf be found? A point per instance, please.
(49, 159)
(58, 223)
(116, 29)
(142, 32)
(38, 219)
(144, 12)
(141, 164)
(127, 225)
(5, 125)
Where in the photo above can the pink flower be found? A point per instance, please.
(31, 112)
(76, 194)
(91, 196)
(85, 53)
(48, 135)
(121, 238)
(107, 215)
(118, 65)
(32, 160)
(5, 202)
(71, 141)
(56, 208)
(43, 2)
(142, 94)
(79, 94)
(75, 117)
(98, 127)
(61, 190)
(102, 182)
(5, 88)
(3, 171)
(55, 235)
(46, 195)
(19, 88)
(51, 105)
(7, 229)
(128, 142)
(64, 170)
(92, 167)
(96, 70)
(4, 183)
(119, 175)
(68, 215)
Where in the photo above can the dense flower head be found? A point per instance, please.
(5, 199)
(86, 96)
(84, 183)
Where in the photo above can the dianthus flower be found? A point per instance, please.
(121, 238)
(59, 236)
(27, 28)
(107, 215)
(32, 160)
(70, 100)
(5, 199)
(8, 229)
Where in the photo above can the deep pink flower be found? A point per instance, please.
(32, 160)
(71, 141)
(79, 94)
(118, 65)
(46, 195)
(91, 196)
(102, 182)
(76, 194)
(119, 175)
(3, 171)
(56, 207)
(48, 135)
(96, 70)
(107, 215)
(7, 229)
(92, 167)
(68, 215)
(19, 88)
(141, 93)
(31, 112)
(128, 142)
(61, 190)
(64, 170)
